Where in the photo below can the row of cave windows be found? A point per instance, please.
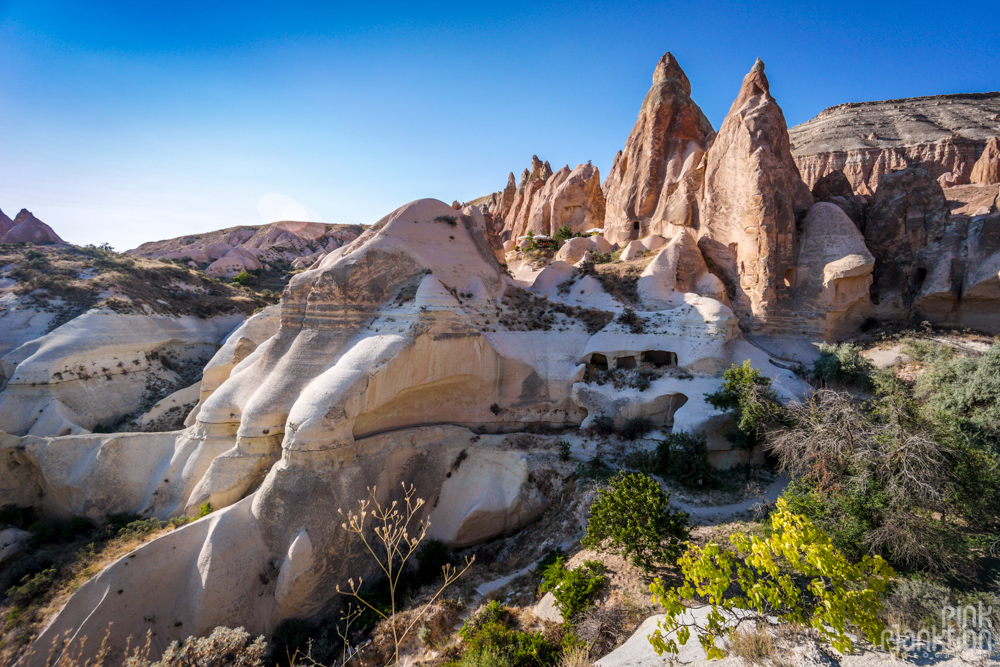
(657, 358)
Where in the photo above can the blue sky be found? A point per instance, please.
(128, 122)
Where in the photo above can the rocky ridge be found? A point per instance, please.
(946, 134)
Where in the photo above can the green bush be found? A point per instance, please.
(563, 234)
(246, 279)
(574, 589)
(635, 428)
(964, 387)
(492, 637)
(683, 456)
(633, 518)
(751, 402)
(842, 363)
(32, 586)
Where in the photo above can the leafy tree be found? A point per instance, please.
(753, 405)
(633, 518)
(796, 575)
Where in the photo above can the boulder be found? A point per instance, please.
(986, 171)
(753, 199)
(633, 250)
(678, 269)
(29, 229)
(834, 270)
(655, 179)
(12, 542)
(908, 213)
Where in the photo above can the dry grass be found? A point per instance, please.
(755, 647)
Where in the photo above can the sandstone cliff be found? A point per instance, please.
(946, 134)
(655, 180)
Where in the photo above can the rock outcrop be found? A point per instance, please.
(545, 201)
(834, 272)
(6, 224)
(26, 228)
(909, 212)
(946, 134)
(655, 180)
(986, 171)
(227, 252)
(753, 199)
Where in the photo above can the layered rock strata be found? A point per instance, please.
(946, 134)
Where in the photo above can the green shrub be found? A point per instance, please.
(32, 586)
(842, 363)
(683, 456)
(562, 234)
(595, 468)
(564, 451)
(574, 589)
(753, 405)
(492, 637)
(964, 387)
(602, 425)
(635, 428)
(246, 279)
(633, 518)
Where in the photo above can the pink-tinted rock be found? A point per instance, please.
(29, 229)
(986, 171)
(654, 181)
(753, 198)
(6, 224)
(544, 201)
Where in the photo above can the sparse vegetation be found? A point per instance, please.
(843, 364)
(753, 405)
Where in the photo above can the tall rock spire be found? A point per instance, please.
(654, 180)
(753, 197)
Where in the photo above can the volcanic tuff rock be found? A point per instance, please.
(836, 189)
(228, 251)
(545, 201)
(986, 171)
(753, 198)
(29, 229)
(6, 224)
(944, 133)
(655, 179)
(908, 213)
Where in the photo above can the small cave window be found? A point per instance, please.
(635, 225)
(626, 362)
(789, 277)
(921, 276)
(599, 360)
(660, 358)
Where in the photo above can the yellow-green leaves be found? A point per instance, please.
(794, 575)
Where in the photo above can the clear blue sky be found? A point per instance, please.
(127, 122)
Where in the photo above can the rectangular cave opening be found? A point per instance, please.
(660, 358)
(599, 360)
(626, 362)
